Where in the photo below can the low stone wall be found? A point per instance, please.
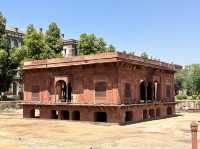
(10, 104)
(188, 105)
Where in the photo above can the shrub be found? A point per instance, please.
(194, 97)
(3, 98)
(181, 96)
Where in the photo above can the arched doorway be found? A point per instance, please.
(100, 116)
(128, 116)
(76, 115)
(150, 91)
(142, 91)
(61, 90)
(64, 91)
(169, 111)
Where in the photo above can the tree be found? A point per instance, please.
(111, 48)
(184, 80)
(188, 79)
(144, 55)
(34, 43)
(9, 59)
(90, 44)
(196, 78)
(42, 46)
(53, 39)
(2, 31)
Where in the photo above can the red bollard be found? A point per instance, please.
(194, 129)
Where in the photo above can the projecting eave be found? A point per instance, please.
(96, 59)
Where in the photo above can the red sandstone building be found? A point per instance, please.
(108, 87)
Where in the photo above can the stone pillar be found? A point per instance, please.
(146, 84)
(60, 114)
(194, 129)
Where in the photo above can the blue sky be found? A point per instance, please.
(166, 29)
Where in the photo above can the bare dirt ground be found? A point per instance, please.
(170, 133)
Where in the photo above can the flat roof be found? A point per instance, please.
(13, 29)
(95, 59)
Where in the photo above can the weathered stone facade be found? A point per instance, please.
(110, 87)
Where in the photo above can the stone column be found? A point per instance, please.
(146, 84)
(194, 129)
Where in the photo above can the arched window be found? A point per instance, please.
(100, 90)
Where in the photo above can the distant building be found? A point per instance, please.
(70, 47)
(14, 37)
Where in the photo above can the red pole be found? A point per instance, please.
(194, 129)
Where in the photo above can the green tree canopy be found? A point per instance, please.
(188, 79)
(41, 46)
(34, 43)
(53, 39)
(196, 78)
(8, 63)
(90, 44)
(144, 55)
(111, 48)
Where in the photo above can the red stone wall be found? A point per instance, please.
(133, 76)
(83, 79)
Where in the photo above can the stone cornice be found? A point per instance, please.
(95, 59)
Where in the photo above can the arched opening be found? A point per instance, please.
(158, 113)
(169, 111)
(76, 115)
(152, 113)
(128, 116)
(54, 114)
(149, 91)
(69, 97)
(156, 91)
(64, 115)
(145, 115)
(143, 91)
(100, 116)
(37, 113)
(61, 90)
(32, 113)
